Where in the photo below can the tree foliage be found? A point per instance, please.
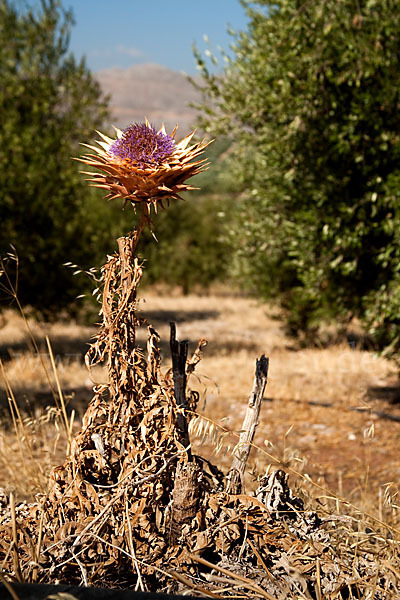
(311, 101)
(49, 102)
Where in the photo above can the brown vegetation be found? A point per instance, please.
(329, 418)
(340, 402)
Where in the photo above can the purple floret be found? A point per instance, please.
(143, 146)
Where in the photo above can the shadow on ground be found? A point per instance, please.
(213, 348)
(387, 393)
(62, 347)
(29, 401)
(71, 350)
(160, 317)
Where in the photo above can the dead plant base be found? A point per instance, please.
(131, 507)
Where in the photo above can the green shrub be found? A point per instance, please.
(49, 102)
(311, 100)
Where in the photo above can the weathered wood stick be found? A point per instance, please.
(179, 352)
(234, 480)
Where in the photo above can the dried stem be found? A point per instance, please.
(16, 564)
(179, 352)
(67, 423)
(235, 475)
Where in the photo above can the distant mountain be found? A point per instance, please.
(152, 91)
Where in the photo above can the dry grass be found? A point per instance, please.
(29, 451)
(327, 411)
(24, 367)
(330, 417)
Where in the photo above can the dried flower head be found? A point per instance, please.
(144, 165)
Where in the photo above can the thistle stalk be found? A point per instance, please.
(145, 168)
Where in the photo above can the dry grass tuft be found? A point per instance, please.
(30, 450)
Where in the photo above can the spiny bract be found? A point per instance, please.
(144, 165)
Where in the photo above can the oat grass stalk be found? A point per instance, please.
(57, 395)
(15, 553)
(25, 442)
(68, 423)
(13, 292)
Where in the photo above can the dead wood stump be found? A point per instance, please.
(234, 480)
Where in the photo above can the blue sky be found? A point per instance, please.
(119, 33)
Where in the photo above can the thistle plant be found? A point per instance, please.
(122, 464)
(144, 166)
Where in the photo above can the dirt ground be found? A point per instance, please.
(332, 414)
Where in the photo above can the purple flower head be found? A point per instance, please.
(142, 145)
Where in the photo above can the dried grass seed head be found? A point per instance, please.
(143, 165)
